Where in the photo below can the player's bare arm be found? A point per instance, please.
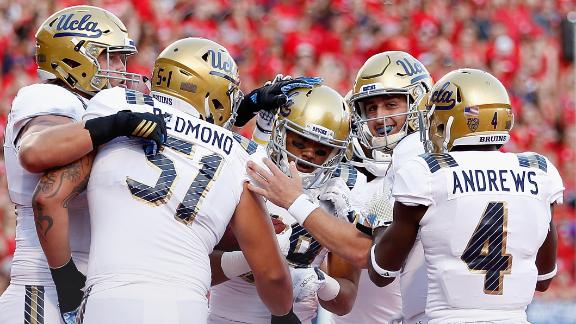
(393, 245)
(53, 141)
(546, 258)
(35, 152)
(218, 275)
(337, 235)
(50, 203)
(253, 229)
(347, 276)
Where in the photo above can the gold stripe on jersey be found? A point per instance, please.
(248, 277)
(34, 305)
(438, 161)
(532, 160)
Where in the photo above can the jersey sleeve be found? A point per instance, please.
(412, 184)
(556, 186)
(106, 102)
(44, 99)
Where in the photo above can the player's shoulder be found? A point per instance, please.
(430, 162)
(41, 91)
(42, 99)
(118, 95)
(533, 160)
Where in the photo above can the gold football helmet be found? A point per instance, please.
(203, 74)
(319, 114)
(468, 107)
(70, 41)
(387, 73)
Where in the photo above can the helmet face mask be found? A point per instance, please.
(385, 75)
(70, 43)
(203, 74)
(468, 107)
(318, 115)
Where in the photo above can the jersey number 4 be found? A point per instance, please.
(486, 249)
(161, 193)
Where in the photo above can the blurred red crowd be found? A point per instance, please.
(529, 45)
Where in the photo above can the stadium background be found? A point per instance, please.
(529, 45)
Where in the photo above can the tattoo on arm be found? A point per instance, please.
(56, 182)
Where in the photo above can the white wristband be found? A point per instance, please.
(548, 275)
(301, 208)
(234, 264)
(330, 290)
(382, 272)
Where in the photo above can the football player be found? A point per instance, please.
(388, 92)
(79, 50)
(309, 138)
(484, 216)
(156, 219)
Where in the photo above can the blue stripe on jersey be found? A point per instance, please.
(348, 173)
(532, 160)
(138, 98)
(248, 145)
(438, 161)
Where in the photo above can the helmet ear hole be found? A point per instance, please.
(71, 63)
(217, 104)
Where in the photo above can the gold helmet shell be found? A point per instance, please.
(320, 114)
(387, 73)
(202, 73)
(70, 41)
(469, 107)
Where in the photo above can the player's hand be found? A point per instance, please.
(274, 185)
(337, 192)
(127, 123)
(271, 96)
(69, 288)
(306, 282)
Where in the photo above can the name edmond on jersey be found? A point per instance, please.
(465, 181)
(199, 131)
(74, 27)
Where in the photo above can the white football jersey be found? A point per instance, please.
(373, 304)
(156, 218)
(29, 265)
(413, 278)
(237, 299)
(488, 214)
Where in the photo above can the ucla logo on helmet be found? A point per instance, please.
(83, 27)
(413, 69)
(223, 62)
(442, 97)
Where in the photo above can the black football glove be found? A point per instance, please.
(69, 284)
(271, 96)
(126, 123)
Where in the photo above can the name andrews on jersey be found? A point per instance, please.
(494, 180)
